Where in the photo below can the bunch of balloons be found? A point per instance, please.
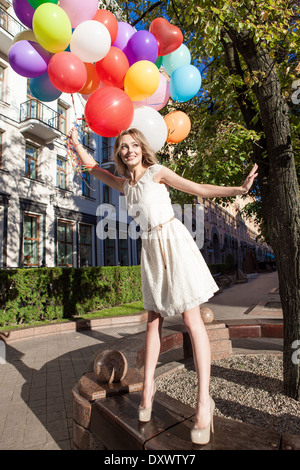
(125, 76)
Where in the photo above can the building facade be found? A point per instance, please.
(48, 214)
(227, 232)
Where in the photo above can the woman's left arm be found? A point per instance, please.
(170, 178)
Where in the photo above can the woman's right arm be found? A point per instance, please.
(88, 161)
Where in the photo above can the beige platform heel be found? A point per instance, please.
(145, 413)
(202, 436)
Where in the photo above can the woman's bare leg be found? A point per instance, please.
(202, 360)
(152, 350)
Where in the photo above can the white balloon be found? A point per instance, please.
(90, 41)
(152, 125)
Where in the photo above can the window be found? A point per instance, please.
(85, 245)
(1, 82)
(105, 149)
(62, 121)
(31, 240)
(64, 243)
(61, 172)
(139, 250)
(123, 252)
(105, 193)
(109, 252)
(86, 135)
(31, 161)
(1, 148)
(86, 184)
(3, 18)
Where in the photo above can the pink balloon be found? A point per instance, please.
(159, 98)
(125, 31)
(79, 11)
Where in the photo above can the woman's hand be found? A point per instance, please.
(73, 136)
(250, 179)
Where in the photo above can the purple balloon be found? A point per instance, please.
(28, 58)
(125, 31)
(24, 12)
(141, 46)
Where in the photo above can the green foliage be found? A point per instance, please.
(29, 295)
(220, 148)
(229, 259)
(222, 268)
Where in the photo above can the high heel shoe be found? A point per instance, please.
(202, 436)
(145, 413)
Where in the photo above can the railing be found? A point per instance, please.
(10, 24)
(34, 109)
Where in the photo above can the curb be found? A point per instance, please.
(69, 326)
(255, 328)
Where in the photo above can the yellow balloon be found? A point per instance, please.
(141, 80)
(27, 35)
(52, 27)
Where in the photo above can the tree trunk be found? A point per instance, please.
(280, 198)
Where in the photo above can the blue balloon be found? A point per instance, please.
(185, 82)
(43, 89)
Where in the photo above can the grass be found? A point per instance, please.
(125, 309)
(122, 310)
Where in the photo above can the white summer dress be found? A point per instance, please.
(174, 274)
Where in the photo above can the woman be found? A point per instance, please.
(175, 277)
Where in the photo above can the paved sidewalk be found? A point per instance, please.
(37, 379)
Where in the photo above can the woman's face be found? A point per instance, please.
(130, 151)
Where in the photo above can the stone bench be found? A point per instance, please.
(111, 423)
(105, 415)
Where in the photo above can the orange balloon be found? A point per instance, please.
(92, 81)
(179, 125)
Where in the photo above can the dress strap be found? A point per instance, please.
(153, 170)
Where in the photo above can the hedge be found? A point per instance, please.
(222, 268)
(30, 295)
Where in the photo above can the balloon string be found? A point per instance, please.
(76, 164)
(76, 117)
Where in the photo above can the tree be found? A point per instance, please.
(248, 52)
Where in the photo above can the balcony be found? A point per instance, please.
(9, 27)
(39, 120)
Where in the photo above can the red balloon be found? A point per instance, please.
(109, 111)
(113, 68)
(168, 36)
(67, 72)
(109, 20)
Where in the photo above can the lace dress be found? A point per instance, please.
(175, 276)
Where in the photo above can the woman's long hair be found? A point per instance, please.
(148, 155)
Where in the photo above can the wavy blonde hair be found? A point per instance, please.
(148, 155)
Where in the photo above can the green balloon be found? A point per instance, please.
(159, 61)
(37, 3)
